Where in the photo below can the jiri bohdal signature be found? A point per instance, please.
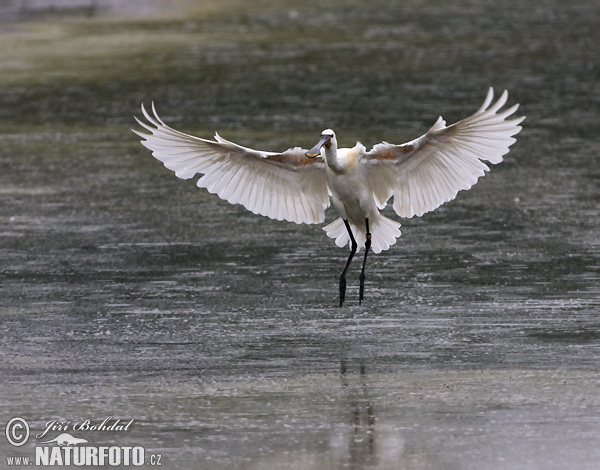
(107, 424)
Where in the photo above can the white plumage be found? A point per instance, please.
(277, 185)
(296, 185)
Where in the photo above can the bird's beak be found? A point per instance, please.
(316, 150)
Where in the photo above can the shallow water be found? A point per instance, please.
(132, 294)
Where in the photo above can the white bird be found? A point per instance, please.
(297, 184)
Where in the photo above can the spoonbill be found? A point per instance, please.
(297, 185)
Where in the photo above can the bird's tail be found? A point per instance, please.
(384, 233)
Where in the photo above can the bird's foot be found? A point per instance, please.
(361, 291)
(342, 290)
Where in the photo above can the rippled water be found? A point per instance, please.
(129, 293)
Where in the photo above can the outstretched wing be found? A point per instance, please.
(430, 170)
(282, 186)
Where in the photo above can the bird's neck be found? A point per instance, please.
(333, 159)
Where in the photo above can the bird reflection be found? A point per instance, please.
(362, 443)
(354, 443)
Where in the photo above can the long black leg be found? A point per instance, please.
(362, 273)
(343, 276)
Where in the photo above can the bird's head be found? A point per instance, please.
(327, 140)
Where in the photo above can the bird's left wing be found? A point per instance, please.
(282, 186)
(428, 171)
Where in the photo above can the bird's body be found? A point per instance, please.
(353, 198)
(297, 185)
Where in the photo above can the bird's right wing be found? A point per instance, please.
(282, 186)
(428, 171)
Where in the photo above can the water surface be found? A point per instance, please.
(129, 293)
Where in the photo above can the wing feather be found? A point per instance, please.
(430, 170)
(282, 186)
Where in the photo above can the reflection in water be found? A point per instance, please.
(362, 443)
(126, 293)
(357, 438)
